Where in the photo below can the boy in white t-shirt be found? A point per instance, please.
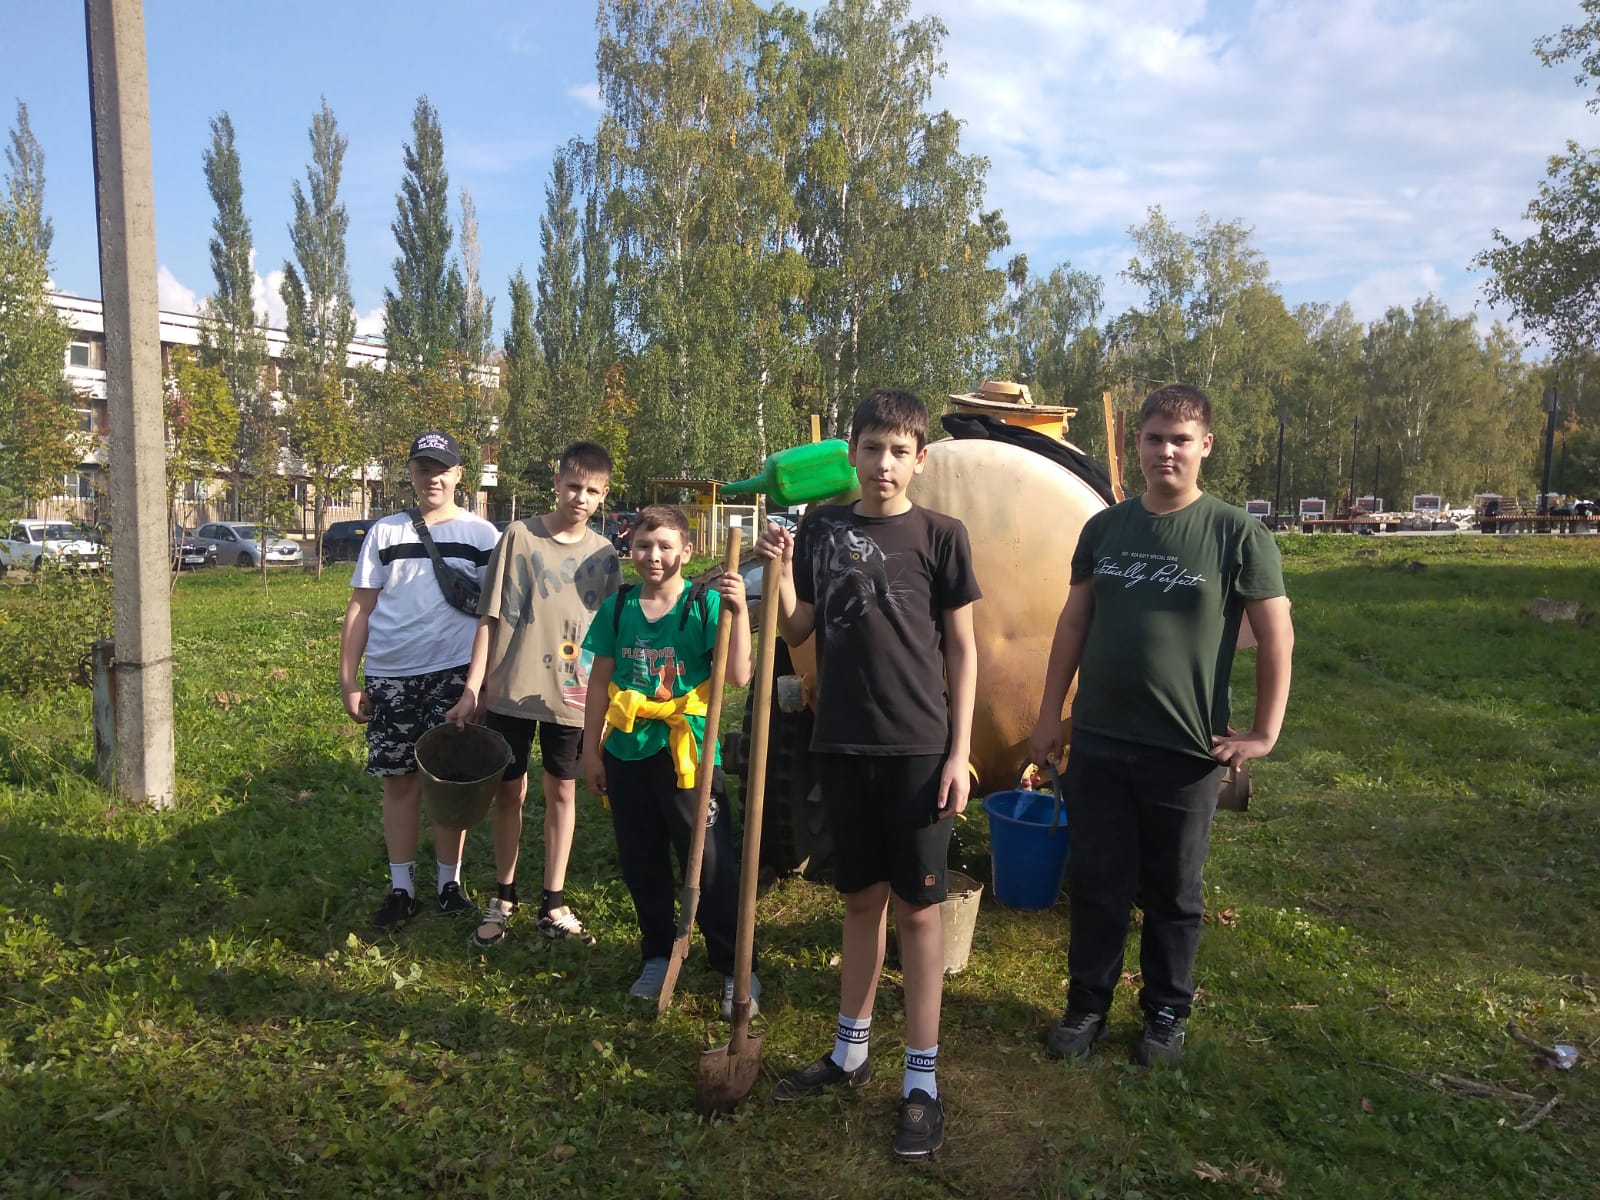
(416, 648)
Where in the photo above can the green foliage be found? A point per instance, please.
(25, 186)
(47, 627)
(422, 310)
(202, 425)
(316, 286)
(1416, 870)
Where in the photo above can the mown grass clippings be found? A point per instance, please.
(194, 1002)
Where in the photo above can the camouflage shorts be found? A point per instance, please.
(404, 707)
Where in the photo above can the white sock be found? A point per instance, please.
(919, 1072)
(850, 1045)
(448, 873)
(401, 876)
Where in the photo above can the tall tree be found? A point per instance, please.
(1051, 342)
(231, 337)
(422, 310)
(524, 457)
(891, 217)
(202, 429)
(557, 318)
(475, 336)
(316, 285)
(25, 184)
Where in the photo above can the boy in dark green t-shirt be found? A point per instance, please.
(1160, 586)
(644, 729)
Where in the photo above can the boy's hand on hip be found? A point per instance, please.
(357, 705)
(1239, 748)
(955, 784)
(731, 587)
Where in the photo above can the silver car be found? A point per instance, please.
(243, 543)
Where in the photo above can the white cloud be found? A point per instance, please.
(1371, 146)
(586, 94)
(371, 322)
(172, 295)
(266, 295)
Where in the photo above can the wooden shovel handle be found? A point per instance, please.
(708, 745)
(755, 791)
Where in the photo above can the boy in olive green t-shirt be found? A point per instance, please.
(643, 736)
(1160, 586)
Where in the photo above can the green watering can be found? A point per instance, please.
(801, 474)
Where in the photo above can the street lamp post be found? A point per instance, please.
(1277, 495)
(1551, 397)
(1355, 441)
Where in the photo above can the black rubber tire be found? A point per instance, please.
(245, 560)
(795, 835)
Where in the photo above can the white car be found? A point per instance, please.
(31, 543)
(243, 543)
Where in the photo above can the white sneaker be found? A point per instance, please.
(491, 930)
(651, 978)
(727, 996)
(561, 923)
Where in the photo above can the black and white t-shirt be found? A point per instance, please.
(413, 629)
(880, 587)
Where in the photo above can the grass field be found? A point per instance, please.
(193, 1003)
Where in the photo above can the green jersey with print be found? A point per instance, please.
(1169, 595)
(662, 659)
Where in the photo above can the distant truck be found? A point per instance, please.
(30, 543)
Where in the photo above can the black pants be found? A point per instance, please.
(652, 818)
(1140, 821)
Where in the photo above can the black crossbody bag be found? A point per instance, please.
(460, 590)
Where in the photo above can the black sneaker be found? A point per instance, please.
(820, 1076)
(921, 1127)
(453, 901)
(1075, 1034)
(1163, 1038)
(399, 908)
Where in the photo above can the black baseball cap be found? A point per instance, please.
(439, 446)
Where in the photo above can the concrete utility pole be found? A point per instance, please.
(119, 103)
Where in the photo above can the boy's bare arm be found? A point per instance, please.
(1274, 657)
(597, 698)
(1066, 651)
(961, 685)
(352, 645)
(466, 708)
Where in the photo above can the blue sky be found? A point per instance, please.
(1372, 145)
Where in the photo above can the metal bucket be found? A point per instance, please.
(461, 768)
(959, 916)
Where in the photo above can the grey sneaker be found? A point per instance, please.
(560, 923)
(1163, 1038)
(491, 931)
(648, 985)
(727, 996)
(1075, 1034)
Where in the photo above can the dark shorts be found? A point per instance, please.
(559, 745)
(885, 816)
(404, 707)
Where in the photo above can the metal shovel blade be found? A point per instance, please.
(726, 1074)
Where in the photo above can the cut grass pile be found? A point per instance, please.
(194, 1002)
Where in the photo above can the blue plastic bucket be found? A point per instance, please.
(1029, 855)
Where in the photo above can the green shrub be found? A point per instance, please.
(47, 629)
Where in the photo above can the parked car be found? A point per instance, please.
(341, 541)
(31, 543)
(242, 542)
(187, 554)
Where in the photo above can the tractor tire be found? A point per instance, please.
(795, 836)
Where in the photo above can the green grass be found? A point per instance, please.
(193, 1002)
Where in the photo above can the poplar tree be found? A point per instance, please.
(25, 185)
(557, 319)
(36, 412)
(231, 338)
(525, 457)
(423, 309)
